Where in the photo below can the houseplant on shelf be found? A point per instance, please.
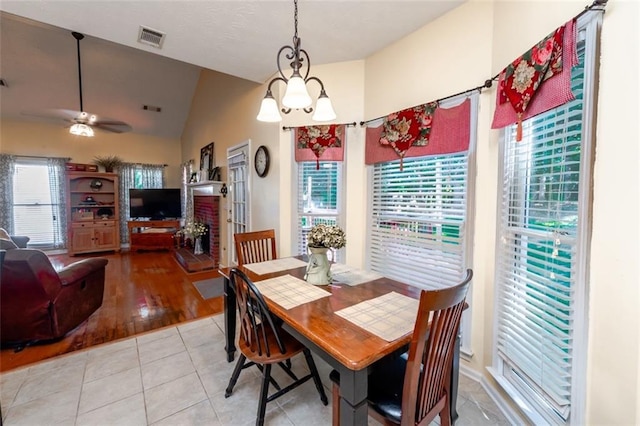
(321, 238)
(109, 162)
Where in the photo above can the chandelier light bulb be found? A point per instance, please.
(269, 111)
(296, 96)
(324, 110)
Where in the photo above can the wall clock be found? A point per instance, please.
(261, 161)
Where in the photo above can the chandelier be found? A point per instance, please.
(296, 95)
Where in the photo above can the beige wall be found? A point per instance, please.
(224, 111)
(40, 139)
(344, 83)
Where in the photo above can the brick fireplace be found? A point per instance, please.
(206, 209)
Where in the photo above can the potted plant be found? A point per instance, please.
(109, 162)
(321, 238)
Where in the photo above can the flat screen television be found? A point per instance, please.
(156, 204)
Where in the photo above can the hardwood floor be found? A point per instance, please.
(144, 291)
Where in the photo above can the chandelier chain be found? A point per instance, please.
(295, 19)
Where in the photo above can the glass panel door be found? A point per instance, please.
(238, 214)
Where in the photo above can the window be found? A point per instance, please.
(419, 218)
(541, 267)
(319, 193)
(37, 203)
(136, 176)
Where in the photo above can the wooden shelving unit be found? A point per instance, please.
(92, 212)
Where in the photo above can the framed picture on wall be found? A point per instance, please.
(214, 174)
(207, 161)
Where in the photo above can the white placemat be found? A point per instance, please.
(344, 274)
(389, 317)
(275, 265)
(289, 292)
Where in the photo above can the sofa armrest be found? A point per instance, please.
(20, 241)
(77, 270)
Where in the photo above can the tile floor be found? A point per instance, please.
(175, 376)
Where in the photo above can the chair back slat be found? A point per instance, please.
(431, 352)
(254, 247)
(256, 322)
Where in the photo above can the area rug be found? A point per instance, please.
(208, 289)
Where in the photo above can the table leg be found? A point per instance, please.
(229, 319)
(353, 397)
(455, 372)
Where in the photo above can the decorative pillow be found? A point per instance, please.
(4, 235)
(6, 243)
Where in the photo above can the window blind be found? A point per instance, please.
(419, 223)
(318, 198)
(544, 190)
(33, 209)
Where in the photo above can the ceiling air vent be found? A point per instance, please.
(151, 37)
(151, 108)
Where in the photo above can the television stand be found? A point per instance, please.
(152, 234)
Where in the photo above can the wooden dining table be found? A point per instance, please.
(346, 347)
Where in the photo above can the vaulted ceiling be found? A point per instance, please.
(39, 64)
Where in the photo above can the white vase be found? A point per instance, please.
(197, 248)
(319, 268)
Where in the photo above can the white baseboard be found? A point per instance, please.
(512, 416)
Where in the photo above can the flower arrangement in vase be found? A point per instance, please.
(195, 230)
(329, 236)
(321, 238)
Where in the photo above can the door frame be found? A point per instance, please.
(243, 147)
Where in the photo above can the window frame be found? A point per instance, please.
(340, 211)
(61, 228)
(465, 325)
(534, 406)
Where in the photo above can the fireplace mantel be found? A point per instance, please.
(208, 187)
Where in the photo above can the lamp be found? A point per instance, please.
(80, 129)
(296, 95)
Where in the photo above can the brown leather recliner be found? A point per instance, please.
(37, 303)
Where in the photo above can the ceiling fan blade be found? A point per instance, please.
(81, 117)
(112, 126)
(54, 114)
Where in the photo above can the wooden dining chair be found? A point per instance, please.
(414, 388)
(257, 246)
(264, 343)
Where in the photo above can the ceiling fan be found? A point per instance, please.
(82, 122)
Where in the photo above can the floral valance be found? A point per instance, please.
(410, 127)
(538, 80)
(325, 142)
(449, 131)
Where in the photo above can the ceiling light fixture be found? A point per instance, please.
(80, 129)
(296, 95)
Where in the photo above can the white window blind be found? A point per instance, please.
(33, 210)
(319, 194)
(419, 220)
(539, 269)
